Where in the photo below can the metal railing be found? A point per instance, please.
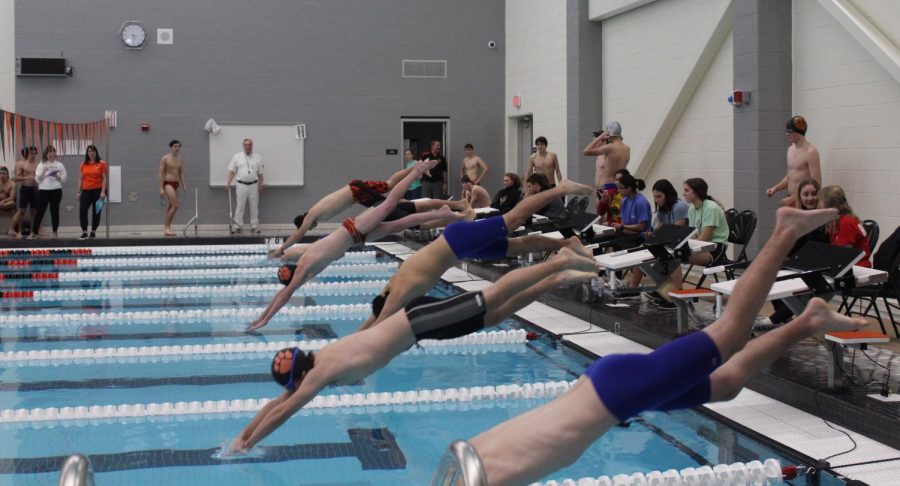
(77, 471)
(460, 463)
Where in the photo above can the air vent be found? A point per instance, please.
(424, 69)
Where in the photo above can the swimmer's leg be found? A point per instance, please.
(370, 218)
(534, 203)
(390, 227)
(522, 286)
(759, 353)
(732, 330)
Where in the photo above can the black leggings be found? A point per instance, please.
(45, 197)
(89, 198)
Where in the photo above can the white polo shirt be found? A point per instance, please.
(246, 168)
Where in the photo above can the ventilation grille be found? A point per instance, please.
(424, 69)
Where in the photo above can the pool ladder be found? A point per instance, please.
(460, 461)
(77, 471)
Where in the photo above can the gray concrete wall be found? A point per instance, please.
(762, 65)
(583, 47)
(332, 64)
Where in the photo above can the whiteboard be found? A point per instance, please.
(278, 145)
(115, 184)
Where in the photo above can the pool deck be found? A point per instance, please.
(786, 404)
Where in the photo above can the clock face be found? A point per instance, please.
(133, 35)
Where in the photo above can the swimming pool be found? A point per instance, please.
(150, 373)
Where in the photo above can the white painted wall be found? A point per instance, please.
(647, 53)
(536, 71)
(702, 143)
(852, 105)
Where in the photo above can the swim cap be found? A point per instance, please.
(298, 220)
(290, 363)
(614, 129)
(378, 303)
(286, 273)
(797, 124)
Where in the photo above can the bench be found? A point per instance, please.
(682, 298)
(837, 341)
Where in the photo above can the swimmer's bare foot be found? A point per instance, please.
(168, 232)
(821, 318)
(574, 244)
(572, 276)
(571, 260)
(467, 212)
(569, 186)
(449, 214)
(796, 222)
(423, 165)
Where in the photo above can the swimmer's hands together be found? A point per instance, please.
(276, 253)
(237, 448)
(257, 324)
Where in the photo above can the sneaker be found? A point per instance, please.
(32, 236)
(93, 235)
(83, 236)
(665, 305)
(254, 230)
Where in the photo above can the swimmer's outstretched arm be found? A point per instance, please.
(274, 414)
(282, 297)
(294, 252)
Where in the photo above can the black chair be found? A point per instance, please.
(741, 226)
(729, 218)
(872, 233)
(887, 261)
(742, 231)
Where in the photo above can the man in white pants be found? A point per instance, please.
(246, 168)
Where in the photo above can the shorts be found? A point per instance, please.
(368, 193)
(28, 197)
(486, 238)
(349, 224)
(403, 209)
(675, 374)
(175, 184)
(447, 318)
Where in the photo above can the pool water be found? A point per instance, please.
(363, 444)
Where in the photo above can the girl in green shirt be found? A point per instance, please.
(707, 215)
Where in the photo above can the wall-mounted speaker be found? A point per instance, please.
(42, 66)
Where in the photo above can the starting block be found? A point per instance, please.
(683, 297)
(837, 341)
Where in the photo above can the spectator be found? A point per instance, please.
(510, 195)
(94, 176)
(538, 182)
(415, 189)
(475, 195)
(434, 182)
(669, 210)
(847, 230)
(707, 215)
(50, 176)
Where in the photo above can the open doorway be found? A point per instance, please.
(418, 133)
(521, 146)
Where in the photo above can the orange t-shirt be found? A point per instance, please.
(92, 175)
